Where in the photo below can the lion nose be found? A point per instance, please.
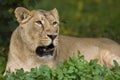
(52, 36)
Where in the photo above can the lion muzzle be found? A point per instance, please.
(45, 50)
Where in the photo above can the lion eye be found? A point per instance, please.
(39, 22)
(55, 23)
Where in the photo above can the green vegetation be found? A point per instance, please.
(75, 68)
(82, 18)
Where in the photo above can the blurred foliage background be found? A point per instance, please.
(81, 18)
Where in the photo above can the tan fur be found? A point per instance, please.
(31, 33)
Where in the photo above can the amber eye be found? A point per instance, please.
(39, 22)
(55, 23)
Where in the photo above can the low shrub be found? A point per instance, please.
(74, 68)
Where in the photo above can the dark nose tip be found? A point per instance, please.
(52, 36)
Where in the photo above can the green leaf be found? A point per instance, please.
(116, 64)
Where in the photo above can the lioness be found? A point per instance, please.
(37, 41)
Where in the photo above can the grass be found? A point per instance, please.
(74, 68)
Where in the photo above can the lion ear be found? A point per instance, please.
(22, 14)
(55, 13)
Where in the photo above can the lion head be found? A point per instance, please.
(39, 30)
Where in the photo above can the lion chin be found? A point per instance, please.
(36, 41)
(46, 52)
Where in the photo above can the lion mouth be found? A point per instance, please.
(45, 50)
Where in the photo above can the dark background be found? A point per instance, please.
(81, 18)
